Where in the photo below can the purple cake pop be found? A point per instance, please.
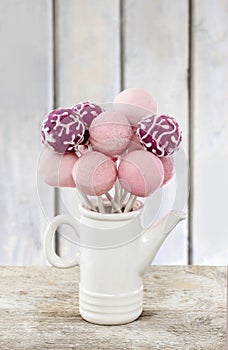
(160, 134)
(62, 130)
(87, 112)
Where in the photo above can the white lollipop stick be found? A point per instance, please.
(117, 192)
(122, 191)
(123, 197)
(130, 202)
(100, 204)
(87, 200)
(78, 153)
(114, 204)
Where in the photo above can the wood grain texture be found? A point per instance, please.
(25, 97)
(156, 59)
(210, 121)
(88, 69)
(184, 308)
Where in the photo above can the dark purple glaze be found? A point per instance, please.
(160, 134)
(62, 130)
(87, 112)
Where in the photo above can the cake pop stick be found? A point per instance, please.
(114, 204)
(78, 153)
(123, 197)
(87, 200)
(117, 195)
(100, 204)
(117, 192)
(130, 203)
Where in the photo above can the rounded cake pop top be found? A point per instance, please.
(87, 111)
(135, 103)
(169, 168)
(110, 133)
(160, 134)
(140, 173)
(62, 130)
(94, 173)
(56, 169)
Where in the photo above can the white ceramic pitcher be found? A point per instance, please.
(113, 256)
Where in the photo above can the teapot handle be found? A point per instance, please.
(52, 257)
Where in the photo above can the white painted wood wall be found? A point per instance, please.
(60, 52)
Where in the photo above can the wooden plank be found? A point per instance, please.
(88, 56)
(25, 97)
(210, 119)
(156, 59)
(184, 308)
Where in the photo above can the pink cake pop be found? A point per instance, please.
(87, 112)
(160, 134)
(62, 130)
(56, 169)
(135, 103)
(134, 144)
(141, 173)
(169, 168)
(110, 133)
(94, 173)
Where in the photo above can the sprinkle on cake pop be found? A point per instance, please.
(94, 173)
(87, 111)
(110, 133)
(141, 173)
(62, 130)
(160, 134)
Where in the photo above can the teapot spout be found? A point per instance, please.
(155, 235)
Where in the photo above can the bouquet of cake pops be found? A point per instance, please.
(110, 156)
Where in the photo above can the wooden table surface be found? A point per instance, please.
(184, 308)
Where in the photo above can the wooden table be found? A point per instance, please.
(184, 308)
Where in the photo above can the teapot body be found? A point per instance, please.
(113, 252)
(110, 290)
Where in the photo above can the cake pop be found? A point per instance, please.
(135, 103)
(56, 169)
(141, 173)
(62, 130)
(134, 144)
(110, 133)
(94, 173)
(160, 134)
(169, 169)
(87, 112)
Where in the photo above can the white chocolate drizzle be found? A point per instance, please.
(171, 128)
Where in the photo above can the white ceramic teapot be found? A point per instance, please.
(113, 256)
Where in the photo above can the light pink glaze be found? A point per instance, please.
(110, 133)
(56, 169)
(135, 144)
(135, 103)
(94, 173)
(141, 173)
(169, 169)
